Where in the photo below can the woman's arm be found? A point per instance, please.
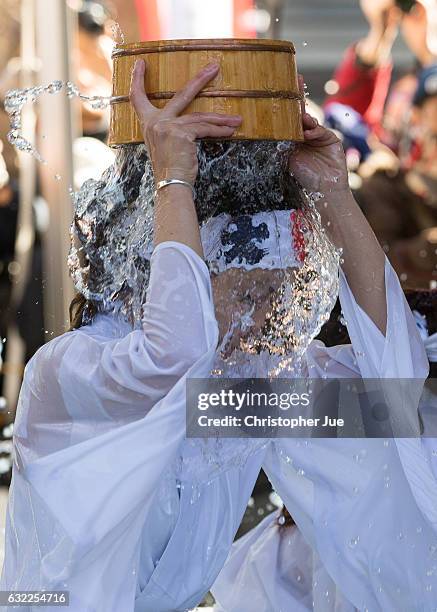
(319, 164)
(363, 259)
(171, 142)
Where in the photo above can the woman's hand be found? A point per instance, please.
(169, 137)
(319, 163)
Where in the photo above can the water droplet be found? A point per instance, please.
(57, 177)
(353, 542)
(117, 33)
(305, 43)
(16, 99)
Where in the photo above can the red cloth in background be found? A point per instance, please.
(148, 19)
(240, 7)
(363, 89)
(151, 29)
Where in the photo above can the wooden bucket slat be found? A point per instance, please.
(258, 80)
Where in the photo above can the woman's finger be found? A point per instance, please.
(185, 96)
(216, 118)
(209, 130)
(309, 122)
(326, 137)
(301, 83)
(315, 134)
(137, 93)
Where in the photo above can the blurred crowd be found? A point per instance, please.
(388, 126)
(389, 130)
(92, 73)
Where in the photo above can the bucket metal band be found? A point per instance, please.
(203, 47)
(167, 95)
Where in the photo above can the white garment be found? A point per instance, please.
(274, 569)
(109, 500)
(365, 509)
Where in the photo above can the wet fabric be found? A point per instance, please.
(112, 228)
(110, 501)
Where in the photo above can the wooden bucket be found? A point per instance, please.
(257, 80)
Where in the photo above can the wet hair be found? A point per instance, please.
(78, 308)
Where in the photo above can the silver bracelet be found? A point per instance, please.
(167, 182)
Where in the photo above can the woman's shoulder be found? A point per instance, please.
(102, 329)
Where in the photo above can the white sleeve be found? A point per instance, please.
(363, 503)
(129, 375)
(91, 498)
(398, 354)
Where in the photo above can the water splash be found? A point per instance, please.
(112, 239)
(117, 33)
(247, 177)
(16, 99)
(307, 296)
(112, 234)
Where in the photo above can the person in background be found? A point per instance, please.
(393, 134)
(400, 199)
(361, 83)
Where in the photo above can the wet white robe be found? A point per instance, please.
(109, 500)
